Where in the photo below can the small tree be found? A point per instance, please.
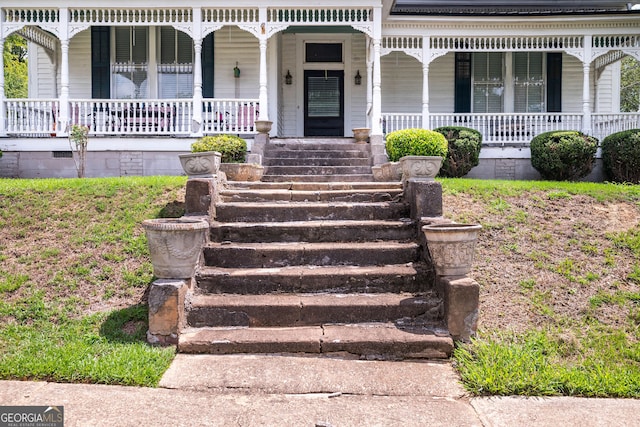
(78, 140)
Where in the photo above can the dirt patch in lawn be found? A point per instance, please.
(546, 258)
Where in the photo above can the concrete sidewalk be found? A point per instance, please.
(252, 390)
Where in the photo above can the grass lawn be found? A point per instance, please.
(559, 270)
(74, 268)
(558, 265)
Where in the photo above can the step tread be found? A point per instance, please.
(385, 340)
(314, 186)
(268, 191)
(310, 299)
(312, 270)
(374, 223)
(318, 178)
(305, 204)
(314, 246)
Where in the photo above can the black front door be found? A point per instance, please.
(323, 103)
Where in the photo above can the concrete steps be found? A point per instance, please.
(373, 340)
(310, 278)
(314, 231)
(315, 258)
(284, 310)
(321, 159)
(284, 254)
(308, 211)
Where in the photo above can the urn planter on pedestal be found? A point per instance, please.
(420, 167)
(451, 247)
(263, 126)
(361, 135)
(175, 245)
(201, 165)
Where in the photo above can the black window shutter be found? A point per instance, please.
(554, 82)
(207, 66)
(463, 83)
(100, 74)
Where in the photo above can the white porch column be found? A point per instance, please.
(196, 124)
(369, 90)
(426, 60)
(263, 96)
(63, 120)
(376, 116)
(3, 112)
(586, 92)
(196, 120)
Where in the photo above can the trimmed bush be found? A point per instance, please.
(464, 150)
(233, 148)
(415, 142)
(563, 155)
(621, 156)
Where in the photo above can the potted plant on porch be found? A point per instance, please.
(419, 151)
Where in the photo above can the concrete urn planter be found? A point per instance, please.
(392, 171)
(263, 126)
(361, 135)
(201, 165)
(420, 167)
(175, 245)
(451, 247)
(242, 171)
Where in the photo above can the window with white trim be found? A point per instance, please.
(488, 82)
(129, 70)
(175, 64)
(528, 82)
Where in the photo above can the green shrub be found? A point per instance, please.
(415, 142)
(621, 156)
(233, 148)
(464, 150)
(563, 155)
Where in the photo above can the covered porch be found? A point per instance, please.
(397, 72)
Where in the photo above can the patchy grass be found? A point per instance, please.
(73, 276)
(559, 270)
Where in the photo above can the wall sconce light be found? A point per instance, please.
(358, 79)
(288, 79)
(236, 71)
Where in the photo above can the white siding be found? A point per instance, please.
(571, 84)
(232, 46)
(80, 65)
(41, 73)
(441, 84)
(358, 93)
(401, 83)
(289, 102)
(608, 89)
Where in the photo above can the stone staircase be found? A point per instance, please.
(317, 160)
(317, 258)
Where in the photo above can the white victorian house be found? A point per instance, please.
(149, 77)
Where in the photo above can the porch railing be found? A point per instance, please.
(603, 125)
(41, 117)
(139, 117)
(31, 117)
(509, 128)
(236, 116)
